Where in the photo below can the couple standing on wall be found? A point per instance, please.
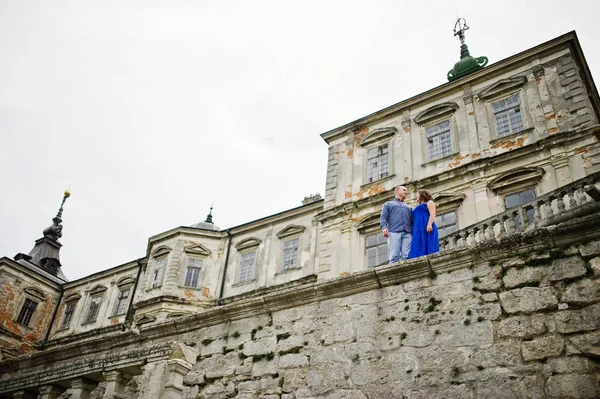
(410, 232)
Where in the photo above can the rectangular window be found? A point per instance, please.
(507, 115)
(290, 253)
(26, 312)
(439, 142)
(446, 223)
(122, 302)
(93, 310)
(246, 266)
(193, 272)
(376, 250)
(377, 163)
(159, 271)
(69, 310)
(516, 199)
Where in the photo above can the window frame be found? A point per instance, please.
(88, 315)
(251, 266)
(118, 300)
(35, 296)
(377, 245)
(71, 300)
(435, 115)
(450, 133)
(155, 281)
(193, 269)
(492, 115)
(456, 222)
(377, 138)
(499, 91)
(97, 293)
(379, 157)
(290, 233)
(24, 313)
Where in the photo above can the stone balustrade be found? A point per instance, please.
(542, 211)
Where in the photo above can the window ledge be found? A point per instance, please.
(88, 322)
(379, 181)
(512, 135)
(446, 158)
(291, 269)
(185, 287)
(116, 315)
(247, 282)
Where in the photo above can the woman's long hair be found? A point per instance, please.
(424, 196)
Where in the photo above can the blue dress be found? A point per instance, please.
(423, 243)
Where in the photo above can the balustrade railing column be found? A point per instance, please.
(82, 388)
(560, 203)
(115, 384)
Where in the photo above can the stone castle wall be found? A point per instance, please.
(517, 318)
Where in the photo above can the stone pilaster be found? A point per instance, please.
(177, 369)
(115, 384)
(545, 98)
(82, 388)
(560, 162)
(50, 392)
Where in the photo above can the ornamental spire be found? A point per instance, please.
(55, 231)
(209, 216)
(467, 64)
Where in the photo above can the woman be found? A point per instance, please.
(424, 232)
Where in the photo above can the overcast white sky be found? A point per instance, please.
(149, 111)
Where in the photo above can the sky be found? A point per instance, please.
(151, 111)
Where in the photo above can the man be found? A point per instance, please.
(396, 223)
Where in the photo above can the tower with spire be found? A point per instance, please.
(46, 251)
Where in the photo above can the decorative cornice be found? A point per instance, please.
(378, 135)
(246, 243)
(292, 229)
(197, 249)
(437, 111)
(502, 86)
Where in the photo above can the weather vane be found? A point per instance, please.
(459, 29)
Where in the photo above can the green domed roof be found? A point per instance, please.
(467, 64)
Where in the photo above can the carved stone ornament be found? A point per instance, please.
(376, 135)
(438, 111)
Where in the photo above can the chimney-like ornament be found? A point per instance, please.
(467, 64)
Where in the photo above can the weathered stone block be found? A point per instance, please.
(581, 386)
(528, 300)
(260, 347)
(346, 394)
(293, 360)
(490, 297)
(570, 321)
(502, 354)
(582, 292)
(595, 265)
(541, 348)
(324, 380)
(522, 326)
(566, 268)
(570, 364)
(516, 277)
(588, 343)
(194, 377)
(590, 249)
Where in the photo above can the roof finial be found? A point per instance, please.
(55, 231)
(459, 29)
(209, 216)
(467, 64)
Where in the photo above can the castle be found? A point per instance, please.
(508, 149)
